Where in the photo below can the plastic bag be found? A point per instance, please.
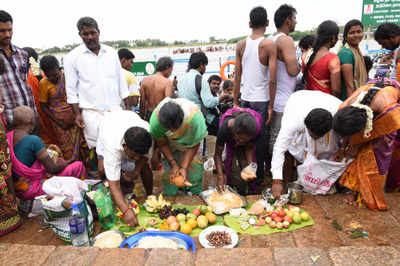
(55, 213)
(317, 176)
(65, 186)
(249, 172)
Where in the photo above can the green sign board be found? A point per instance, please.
(144, 68)
(375, 12)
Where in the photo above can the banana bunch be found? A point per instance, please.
(154, 205)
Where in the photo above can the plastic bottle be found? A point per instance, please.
(104, 206)
(78, 228)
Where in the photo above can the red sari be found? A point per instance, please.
(319, 74)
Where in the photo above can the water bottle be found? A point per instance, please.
(78, 228)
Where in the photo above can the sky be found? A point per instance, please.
(48, 23)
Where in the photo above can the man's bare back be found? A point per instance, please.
(152, 91)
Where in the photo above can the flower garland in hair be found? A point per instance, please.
(34, 66)
(368, 110)
(308, 55)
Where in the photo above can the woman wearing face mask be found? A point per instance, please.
(239, 129)
(352, 65)
(321, 70)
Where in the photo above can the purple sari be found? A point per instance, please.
(232, 144)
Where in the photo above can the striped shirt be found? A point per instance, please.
(14, 89)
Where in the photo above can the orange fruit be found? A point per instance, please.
(186, 229)
(211, 217)
(164, 227)
(192, 222)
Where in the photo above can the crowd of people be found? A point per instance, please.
(93, 119)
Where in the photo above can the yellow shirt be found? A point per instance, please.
(132, 83)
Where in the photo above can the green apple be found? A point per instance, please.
(191, 215)
(181, 217)
(297, 218)
(305, 216)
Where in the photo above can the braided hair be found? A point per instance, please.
(347, 27)
(326, 31)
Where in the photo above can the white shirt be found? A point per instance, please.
(297, 108)
(111, 138)
(94, 81)
(254, 74)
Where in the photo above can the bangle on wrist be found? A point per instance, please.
(127, 209)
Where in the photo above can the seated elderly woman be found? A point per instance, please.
(31, 161)
(239, 129)
(369, 120)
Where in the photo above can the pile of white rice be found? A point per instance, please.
(157, 242)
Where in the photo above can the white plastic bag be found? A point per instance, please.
(317, 176)
(65, 186)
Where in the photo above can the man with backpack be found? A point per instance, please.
(194, 87)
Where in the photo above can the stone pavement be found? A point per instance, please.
(320, 244)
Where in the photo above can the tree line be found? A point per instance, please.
(297, 35)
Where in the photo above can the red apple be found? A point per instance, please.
(288, 219)
(274, 215)
(260, 222)
(278, 219)
(172, 219)
(281, 213)
(196, 212)
(285, 224)
(272, 224)
(279, 225)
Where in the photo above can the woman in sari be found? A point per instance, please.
(34, 76)
(239, 129)
(31, 161)
(178, 127)
(369, 121)
(53, 101)
(321, 70)
(354, 73)
(9, 216)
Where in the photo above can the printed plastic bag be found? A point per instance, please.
(56, 213)
(317, 176)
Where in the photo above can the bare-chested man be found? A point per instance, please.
(255, 73)
(156, 87)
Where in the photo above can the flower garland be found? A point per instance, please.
(368, 110)
(34, 66)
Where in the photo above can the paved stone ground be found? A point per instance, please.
(320, 244)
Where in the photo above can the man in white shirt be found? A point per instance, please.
(94, 80)
(307, 117)
(124, 136)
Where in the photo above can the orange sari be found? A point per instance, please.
(46, 129)
(367, 173)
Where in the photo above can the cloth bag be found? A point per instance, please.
(55, 214)
(318, 176)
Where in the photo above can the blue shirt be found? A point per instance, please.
(187, 90)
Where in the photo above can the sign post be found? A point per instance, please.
(375, 12)
(142, 69)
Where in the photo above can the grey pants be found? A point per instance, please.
(275, 127)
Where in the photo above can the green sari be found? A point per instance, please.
(192, 131)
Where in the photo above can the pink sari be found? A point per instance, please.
(30, 179)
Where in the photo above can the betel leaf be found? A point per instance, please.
(336, 225)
